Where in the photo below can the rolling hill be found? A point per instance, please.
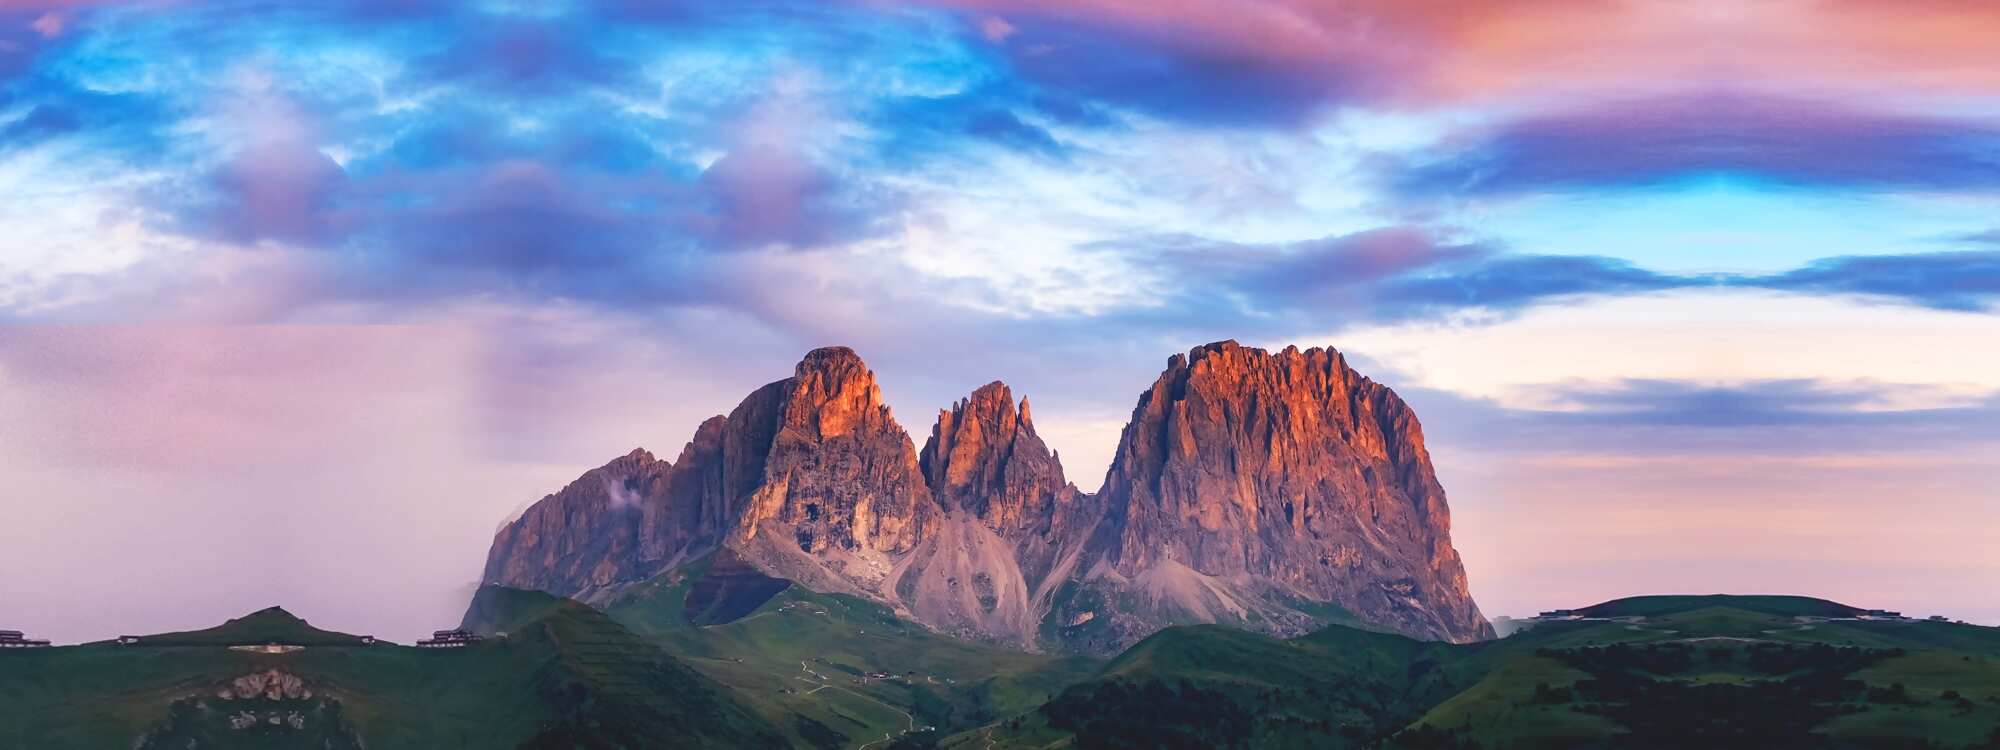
(833, 670)
(566, 677)
(1648, 672)
(272, 625)
(690, 660)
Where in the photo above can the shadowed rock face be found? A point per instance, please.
(1249, 488)
(587, 535)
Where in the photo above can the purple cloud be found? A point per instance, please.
(1968, 281)
(772, 194)
(1391, 273)
(1182, 77)
(282, 191)
(1659, 417)
(1780, 140)
(1988, 237)
(538, 56)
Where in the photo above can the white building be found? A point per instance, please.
(14, 639)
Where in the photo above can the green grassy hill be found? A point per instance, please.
(269, 625)
(836, 671)
(1653, 606)
(567, 677)
(1715, 672)
(1209, 686)
(752, 662)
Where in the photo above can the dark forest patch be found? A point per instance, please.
(731, 590)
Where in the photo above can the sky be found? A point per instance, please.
(300, 301)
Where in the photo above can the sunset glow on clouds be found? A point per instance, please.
(1692, 296)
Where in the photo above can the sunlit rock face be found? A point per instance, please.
(1013, 530)
(984, 458)
(1249, 487)
(840, 497)
(984, 461)
(1267, 491)
(810, 475)
(840, 473)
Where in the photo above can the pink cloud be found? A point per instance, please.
(278, 183)
(1423, 52)
(48, 24)
(996, 29)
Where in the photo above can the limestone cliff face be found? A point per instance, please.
(1248, 484)
(1250, 488)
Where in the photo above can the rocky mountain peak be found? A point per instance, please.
(828, 358)
(1291, 469)
(839, 473)
(834, 392)
(984, 457)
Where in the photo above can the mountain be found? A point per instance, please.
(1725, 672)
(1249, 486)
(1012, 529)
(1276, 492)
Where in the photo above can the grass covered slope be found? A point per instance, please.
(1728, 672)
(264, 626)
(1650, 672)
(837, 671)
(100, 695)
(566, 677)
(752, 663)
(1786, 606)
(1208, 686)
(610, 688)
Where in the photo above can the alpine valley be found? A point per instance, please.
(1267, 564)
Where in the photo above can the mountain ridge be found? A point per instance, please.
(1255, 489)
